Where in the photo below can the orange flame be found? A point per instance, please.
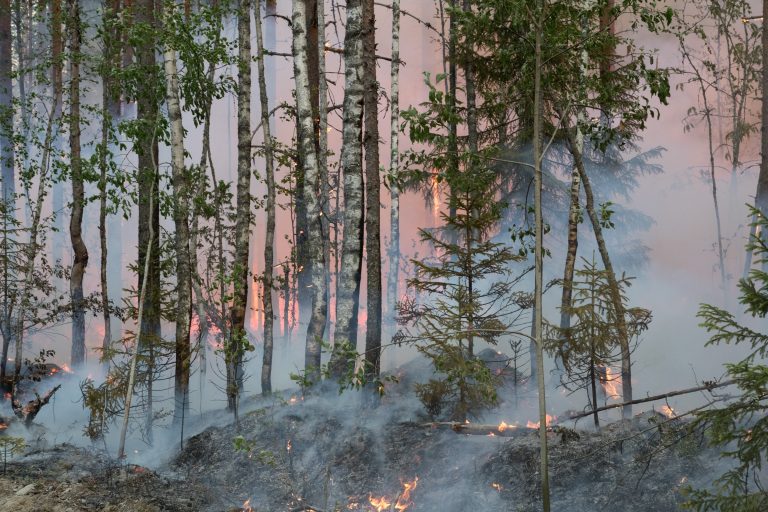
(611, 383)
(503, 426)
(247, 506)
(667, 411)
(537, 424)
(401, 503)
(497, 486)
(65, 367)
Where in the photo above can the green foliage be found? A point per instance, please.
(740, 427)
(591, 343)
(11, 446)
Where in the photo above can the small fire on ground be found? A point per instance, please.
(386, 504)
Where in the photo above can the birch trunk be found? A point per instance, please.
(269, 242)
(307, 149)
(372, 195)
(237, 338)
(348, 279)
(394, 165)
(181, 191)
(78, 191)
(626, 363)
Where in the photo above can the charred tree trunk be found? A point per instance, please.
(269, 242)
(181, 191)
(372, 195)
(348, 279)
(78, 190)
(307, 149)
(237, 338)
(394, 163)
(147, 111)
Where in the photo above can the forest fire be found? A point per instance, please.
(401, 502)
(667, 411)
(247, 506)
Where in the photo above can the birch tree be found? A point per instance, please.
(311, 173)
(348, 279)
(269, 242)
(181, 189)
(394, 162)
(237, 342)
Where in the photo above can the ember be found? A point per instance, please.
(401, 503)
(497, 486)
(247, 506)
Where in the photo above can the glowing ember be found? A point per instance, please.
(247, 506)
(293, 400)
(503, 426)
(611, 383)
(66, 368)
(667, 411)
(288, 446)
(550, 419)
(3, 426)
(497, 486)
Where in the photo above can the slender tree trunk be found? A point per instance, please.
(57, 83)
(243, 222)
(539, 254)
(136, 342)
(147, 110)
(78, 191)
(613, 286)
(181, 191)
(394, 164)
(269, 242)
(307, 148)
(7, 172)
(473, 144)
(110, 113)
(761, 196)
(348, 279)
(372, 195)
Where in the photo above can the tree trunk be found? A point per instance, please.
(181, 192)
(57, 84)
(539, 254)
(269, 242)
(372, 195)
(348, 280)
(7, 174)
(761, 196)
(307, 149)
(238, 338)
(626, 363)
(110, 113)
(78, 191)
(394, 164)
(147, 110)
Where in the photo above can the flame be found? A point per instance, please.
(401, 503)
(247, 506)
(497, 486)
(434, 188)
(667, 411)
(293, 400)
(288, 445)
(66, 369)
(611, 383)
(3, 426)
(537, 424)
(503, 426)
(379, 504)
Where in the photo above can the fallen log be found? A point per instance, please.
(29, 411)
(707, 386)
(478, 429)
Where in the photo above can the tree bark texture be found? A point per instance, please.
(348, 280)
(394, 164)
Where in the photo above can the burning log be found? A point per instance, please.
(29, 411)
(477, 429)
(708, 386)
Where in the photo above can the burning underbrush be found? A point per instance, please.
(313, 456)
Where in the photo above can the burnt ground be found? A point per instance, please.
(331, 455)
